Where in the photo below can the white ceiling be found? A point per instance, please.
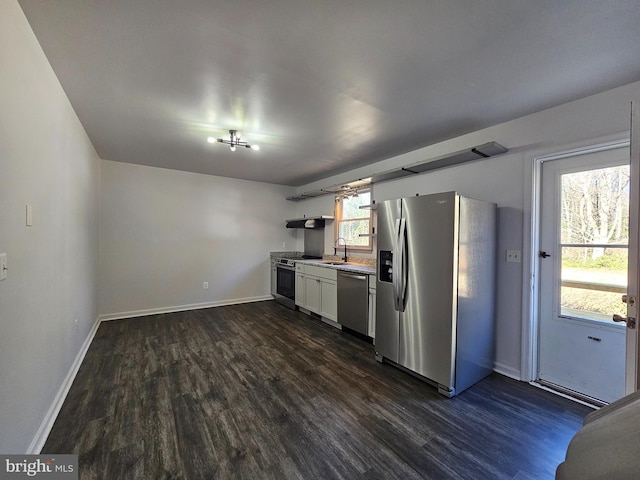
(322, 86)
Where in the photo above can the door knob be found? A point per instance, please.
(630, 321)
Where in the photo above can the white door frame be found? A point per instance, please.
(530, 274)
(633, 349)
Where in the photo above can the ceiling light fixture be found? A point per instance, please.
(234, 141)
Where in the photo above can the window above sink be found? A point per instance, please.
(354, 224)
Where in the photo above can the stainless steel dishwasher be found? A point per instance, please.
(353, 301)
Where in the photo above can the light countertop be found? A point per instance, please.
(349, 267)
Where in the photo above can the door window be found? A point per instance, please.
(594, 231)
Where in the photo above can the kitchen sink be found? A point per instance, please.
(342, 265)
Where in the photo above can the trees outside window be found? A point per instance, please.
(594, 237)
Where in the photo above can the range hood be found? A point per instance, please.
(308, 222)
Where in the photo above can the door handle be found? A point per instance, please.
(396, 265)
(630, 321)
(402, 275)
(543, 255)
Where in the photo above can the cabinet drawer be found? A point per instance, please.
(321, 272)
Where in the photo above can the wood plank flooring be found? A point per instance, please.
(257, 391)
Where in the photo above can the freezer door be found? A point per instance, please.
(427, 327)
(388, 213)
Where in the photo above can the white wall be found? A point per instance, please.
(165, 232)
(505, 180)
(46, 160)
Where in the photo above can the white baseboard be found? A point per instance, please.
(47, 423)
(506, 371)
(180, 308)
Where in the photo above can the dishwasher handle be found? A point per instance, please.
(353, 276)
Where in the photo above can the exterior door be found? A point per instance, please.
(584, 240)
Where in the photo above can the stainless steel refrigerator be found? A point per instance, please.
(435, 288)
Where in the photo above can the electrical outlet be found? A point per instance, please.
(513, 256)
(205, 285)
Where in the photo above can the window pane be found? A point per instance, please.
(350, 231)
(593, 281)
(351, 206)
(595, 210)
(595, 206)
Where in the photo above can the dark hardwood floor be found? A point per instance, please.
(258, 391)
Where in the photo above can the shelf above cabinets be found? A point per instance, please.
(371, 206)
(459, 157)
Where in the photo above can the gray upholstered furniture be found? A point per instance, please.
(607, 447)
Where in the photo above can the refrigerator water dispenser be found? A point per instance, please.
(386, 266)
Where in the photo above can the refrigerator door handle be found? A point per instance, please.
(402, 274)
(396, 267)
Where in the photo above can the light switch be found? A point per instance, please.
(4, 268)
(29, 215)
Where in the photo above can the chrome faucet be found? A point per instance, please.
(335, 248)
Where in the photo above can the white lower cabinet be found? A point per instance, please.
(312, 293)
(329, 300)
(320, 293)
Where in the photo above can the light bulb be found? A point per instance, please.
(255, 147)
(211, 140)
(233, 148)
